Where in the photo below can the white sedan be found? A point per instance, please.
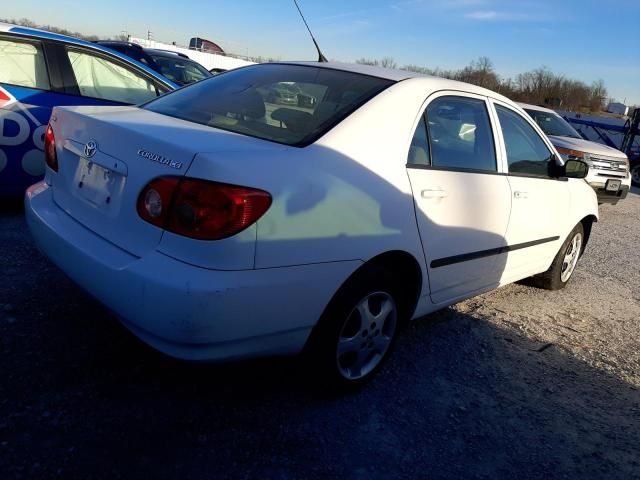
(217, 225)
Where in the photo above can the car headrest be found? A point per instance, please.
(247, 103)
(295, 120)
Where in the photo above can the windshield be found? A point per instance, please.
(290, 104)
(180, 70)
(553, 124)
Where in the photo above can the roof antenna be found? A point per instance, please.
(321, 57)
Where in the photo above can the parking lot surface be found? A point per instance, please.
(517, 383)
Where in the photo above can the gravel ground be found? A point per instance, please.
(517, 383)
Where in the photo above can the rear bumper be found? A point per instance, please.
(183, 310)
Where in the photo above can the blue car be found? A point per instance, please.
(40, 70)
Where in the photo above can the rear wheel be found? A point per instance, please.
(356, 332)
(564, 264)
(366, 335)
(635, 173)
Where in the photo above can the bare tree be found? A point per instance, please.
(598, 95)
(388, 62)
(25, 22)
(385, 62)
(368, 61)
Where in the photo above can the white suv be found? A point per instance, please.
(217, 224)
(608, 168)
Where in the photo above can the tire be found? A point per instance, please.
(564, 263)
(357, 331)
(635, 173)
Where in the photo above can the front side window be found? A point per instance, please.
(526, 151)
(23, 64)
(460, 134)
(98, 77)
(289, 104)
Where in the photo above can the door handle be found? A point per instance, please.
(434, 193)
(521, 194)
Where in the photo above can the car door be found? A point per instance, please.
(462, 200)
(540, 198)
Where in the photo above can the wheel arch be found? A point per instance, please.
(587, 223)
(401, 265)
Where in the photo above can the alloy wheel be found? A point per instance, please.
(366, 335)
(571, 256)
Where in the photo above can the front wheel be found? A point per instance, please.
(564, 264)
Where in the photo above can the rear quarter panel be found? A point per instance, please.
(347, 196)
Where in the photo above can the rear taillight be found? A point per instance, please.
(199, 208)
(50, 156)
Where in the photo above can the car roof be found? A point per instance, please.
(528, 106)
(167, 53)
(35, 33)
(117, 43)
(373, 71)
(401, 75)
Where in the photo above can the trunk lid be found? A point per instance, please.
(107, 155)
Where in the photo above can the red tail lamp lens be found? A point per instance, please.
(200, 208)
(50, 155)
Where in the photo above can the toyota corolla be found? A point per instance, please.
(217, 225)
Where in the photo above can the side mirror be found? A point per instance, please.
(575, 169)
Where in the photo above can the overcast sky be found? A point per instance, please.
(582, 39)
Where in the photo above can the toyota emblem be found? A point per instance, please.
(90, 148)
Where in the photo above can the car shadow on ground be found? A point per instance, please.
(460, 398)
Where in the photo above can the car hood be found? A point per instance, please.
(586, 146)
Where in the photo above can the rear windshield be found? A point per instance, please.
(288, 104)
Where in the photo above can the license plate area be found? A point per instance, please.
(613, 185)
(97, 185)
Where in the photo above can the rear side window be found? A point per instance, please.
(526, 151)
(460, 134)
(100, 78)
(290, 104)
(419, 149)
(23, 64)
